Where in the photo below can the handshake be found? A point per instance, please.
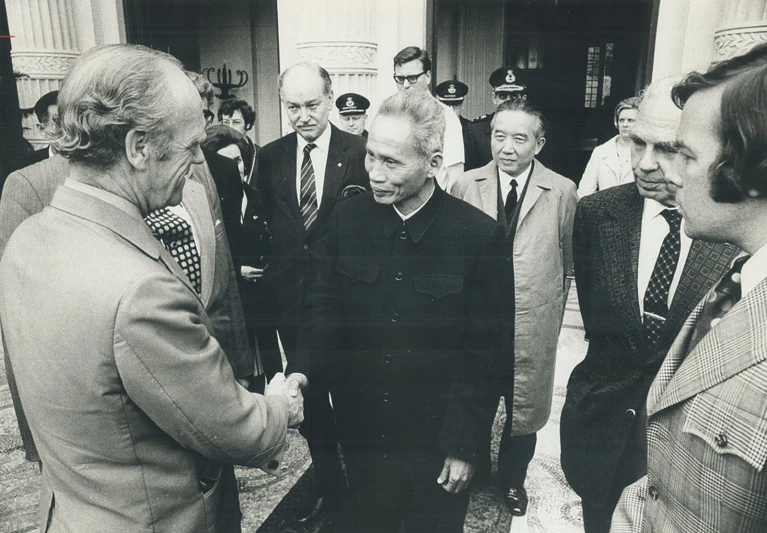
(290, 389)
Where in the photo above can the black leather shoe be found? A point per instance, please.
(312, 512)
(516, 500)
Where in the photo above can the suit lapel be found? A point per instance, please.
(196, 203)
(623, 227)
(539, 182)
(287, 185)
(335, 170)
(733, 345)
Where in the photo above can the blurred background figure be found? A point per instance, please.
(206, 92)
(452, 93)
(610, 163)
(353, 112)
(251, 245)
(239, 115)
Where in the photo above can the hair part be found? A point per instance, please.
(518, 104)
(110, 91)
(741, 165)
(411, 53)
(327, 83)
(228, 107)
(627, 103)
(425, 116)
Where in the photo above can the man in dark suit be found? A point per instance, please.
(410, 307)
(638, 278)
(302, 176)
(47, 113)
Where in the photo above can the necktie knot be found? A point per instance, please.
(674, 219)
(308, 148)
(513, 183)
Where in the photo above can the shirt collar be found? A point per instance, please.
(521, 179)
(322, 142)
(754, 271)
(653, 208)
(405, 217)
(105, 196)
(420, 222)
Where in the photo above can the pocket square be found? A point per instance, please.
(218, 221)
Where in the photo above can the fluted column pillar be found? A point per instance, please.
(340, 36)
(744, 25)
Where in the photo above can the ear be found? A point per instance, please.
(137, 149)
(434, 164)
(428, 77)
(539, 145)
(40, 127)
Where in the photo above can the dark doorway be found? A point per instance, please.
(10, 118)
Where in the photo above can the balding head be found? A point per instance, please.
(306, 93)
(653, 144)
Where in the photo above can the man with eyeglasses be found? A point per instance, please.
(412, 71)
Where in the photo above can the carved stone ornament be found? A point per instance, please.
(345, 55)
(737, 40)
(48, 65)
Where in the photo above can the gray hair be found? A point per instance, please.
(327, 83)
(517, 104)
(426, 117)
(109, 91)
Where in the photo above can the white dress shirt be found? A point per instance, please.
(754, 271)
(319, 157)
(505, 180)
(654, 230)
(452, 150)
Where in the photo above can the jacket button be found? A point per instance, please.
(653, 492)
(386, 397)
(388, 358)
(306, 246)
(721, 440)
(630, 413)
(399, 276)
(403, 235)
(395, 317)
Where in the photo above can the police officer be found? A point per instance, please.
(452, 93)
(353, 111)
(507, 83)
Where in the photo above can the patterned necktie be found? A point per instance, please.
(656, 296)
(511, 201)
(719, 302)
(308, 189)
(175, 234)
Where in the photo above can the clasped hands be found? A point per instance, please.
(290, 389)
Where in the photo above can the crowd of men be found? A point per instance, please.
(415, 268)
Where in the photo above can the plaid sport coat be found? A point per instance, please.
(707, 431)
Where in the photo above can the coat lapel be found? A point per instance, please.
(736, 343)
(196, 203)
(539, 182)
(487, 185)
(623, 227)
(287, 185)
(335, 170)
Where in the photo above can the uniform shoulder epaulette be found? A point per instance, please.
(479, 118)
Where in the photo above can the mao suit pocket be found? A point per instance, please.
(357, 270)
(439, 287)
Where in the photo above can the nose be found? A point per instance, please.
(508, 147)
(648, 162)
(674, 175)
(374, 170)
(304, 116)
(406, 84)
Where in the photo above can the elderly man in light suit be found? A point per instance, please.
(537, 206)
(129, 397)
(707, 408)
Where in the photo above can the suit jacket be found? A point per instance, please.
(415, 312)
(609, 387)
(129, 397)
(22, 162)
(296, 252)
(707, 431)
(228, 185)
(541, 244)
(603, 170)
(31, 189)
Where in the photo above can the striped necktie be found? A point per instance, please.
(308, 189)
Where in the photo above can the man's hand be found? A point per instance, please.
(250, 273)
(296, 381)
(278, 386)
(456, 475)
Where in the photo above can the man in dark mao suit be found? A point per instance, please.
(410, 306)
(302, 176)
(602, 423)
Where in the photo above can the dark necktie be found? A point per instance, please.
(719, 302)
(175, 234)
(656, 296)
(308, 189)
(511, 201)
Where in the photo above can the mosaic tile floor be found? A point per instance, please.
(268, 502)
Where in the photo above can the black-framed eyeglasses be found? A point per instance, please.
(399, 80)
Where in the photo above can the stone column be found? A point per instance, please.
(744, 26)
(50, 34)
(340, 35)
